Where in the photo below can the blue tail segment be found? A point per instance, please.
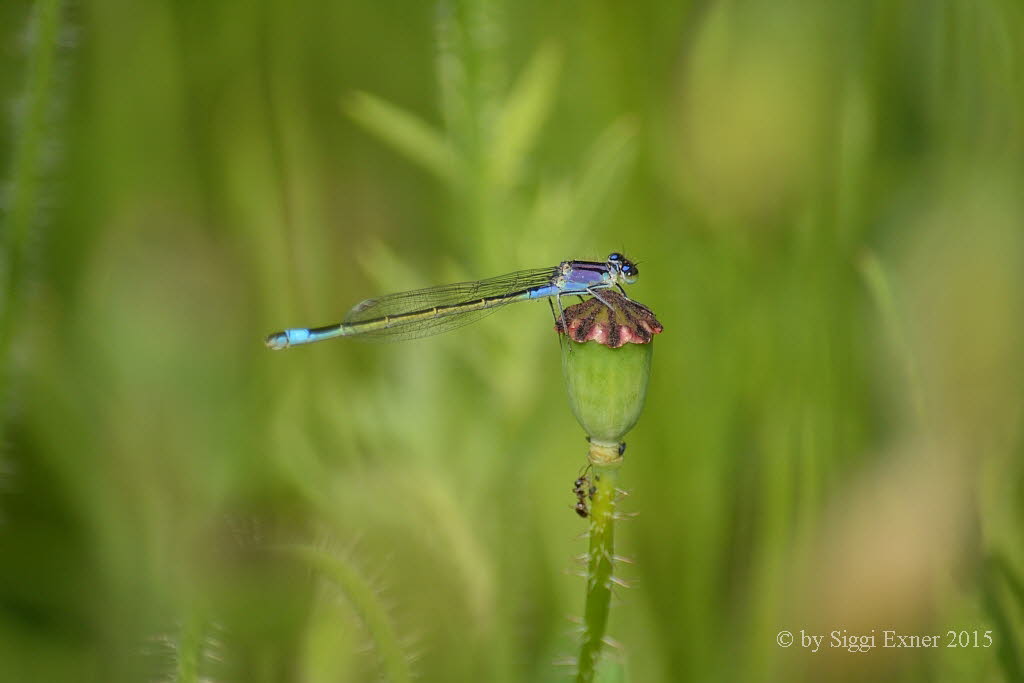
(301, 335)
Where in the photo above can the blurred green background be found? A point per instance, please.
(826, 201)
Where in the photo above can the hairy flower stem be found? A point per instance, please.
(607, 346)
(605, 460)
(394, 666)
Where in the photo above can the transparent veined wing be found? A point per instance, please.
(499, 290)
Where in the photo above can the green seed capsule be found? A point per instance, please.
(606, 361)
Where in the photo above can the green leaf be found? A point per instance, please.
(404, 131)
(522, 115)
(603, 175)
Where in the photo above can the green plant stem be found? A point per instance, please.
(190, 649)
(605, 460)
(27, 165)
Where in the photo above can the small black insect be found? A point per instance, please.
(584, 491)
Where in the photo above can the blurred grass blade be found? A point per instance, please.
(880, 288)
(408, 134)
(602, 177)
(365, 601)
(522, 115)
(1002, 591)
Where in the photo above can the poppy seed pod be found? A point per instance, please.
(606, 361)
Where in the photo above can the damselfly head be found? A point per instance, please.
(625, 269)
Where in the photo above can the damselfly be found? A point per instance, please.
(423, 312)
